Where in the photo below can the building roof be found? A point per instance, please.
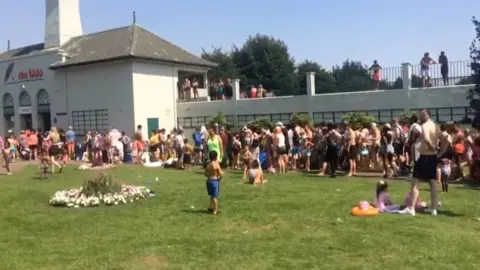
(131, 42)
(31, 49)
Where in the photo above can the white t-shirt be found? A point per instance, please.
(179, 138)
(290, 137)
(281, 140)
(415, 127)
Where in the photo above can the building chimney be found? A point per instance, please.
(8, 45)
(62, 22)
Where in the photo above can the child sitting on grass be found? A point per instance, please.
(255, 174)
(385, 205)
(382, 200)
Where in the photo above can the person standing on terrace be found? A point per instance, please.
(443, 60)
(425, 63)
(376, 76)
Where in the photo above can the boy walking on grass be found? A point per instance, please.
(214, 173)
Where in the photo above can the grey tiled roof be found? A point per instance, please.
(121, 43)
(126, 42)
(31, 49)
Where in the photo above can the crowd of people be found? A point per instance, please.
(417, 148)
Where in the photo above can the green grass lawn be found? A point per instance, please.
(293, 222)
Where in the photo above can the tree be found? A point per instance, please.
(352, 76)
(226, 66)
(220, 119)
(259, 124)
(267, 61)
(358, 119)
(324, 81)
(474, 93)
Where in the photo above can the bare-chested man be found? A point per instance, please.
(425, 168)
(162, 144)
(333, 138)
(352, 148)
(214, 173)
(375, 145)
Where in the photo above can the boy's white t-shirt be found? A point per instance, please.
(179, 138)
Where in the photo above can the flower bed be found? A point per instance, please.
(101, 190)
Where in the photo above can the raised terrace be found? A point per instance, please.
(446, 102)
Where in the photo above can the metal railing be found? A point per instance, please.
(457, 73)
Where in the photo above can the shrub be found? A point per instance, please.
(102, 184)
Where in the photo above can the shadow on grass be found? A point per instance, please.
(194, 211)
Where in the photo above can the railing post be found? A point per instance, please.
(310, 83)
(236, 97)
(407, 82)
(310, 91)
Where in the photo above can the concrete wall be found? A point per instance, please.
(398, 100)
(154, 88)
(98, 87)
(15, 84)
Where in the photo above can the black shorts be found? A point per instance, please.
(153, 148)
(353, 152)
(32, 147)
(426, 168)
(398, 148)
(54, 150)
(187, 159)
(282, 150)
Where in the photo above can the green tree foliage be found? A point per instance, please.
(226, 66)
(302, 120)
(324, 80)
(219, 119)
(358, 119)
(474, 94)
(259, 124)
(265, 60)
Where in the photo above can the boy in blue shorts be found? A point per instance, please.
(214, 173)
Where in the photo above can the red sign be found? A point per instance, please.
(30, 75)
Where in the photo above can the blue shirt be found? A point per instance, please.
(70, 136)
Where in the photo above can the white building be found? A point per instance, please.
(121, 77)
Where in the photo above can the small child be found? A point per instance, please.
(214, 173)
(382, 200)
(308, 145)
(446, 170)
(255, 174)
(246, 156)
(187, 155)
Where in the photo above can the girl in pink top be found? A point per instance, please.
(382, 200)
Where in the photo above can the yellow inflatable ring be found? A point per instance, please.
(370, 212)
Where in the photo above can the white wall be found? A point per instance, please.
(97, 87)
(155, 94)
(15, 87)
(454, 96)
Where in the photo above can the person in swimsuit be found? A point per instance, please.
(375, 69)
(425, 168)
(187, 150)
(214, 173)
(352, 149)
(246, 156)
(333, 138)
(425, 68)
(255, 174)
(6, 154)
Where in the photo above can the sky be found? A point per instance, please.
(328, 32)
